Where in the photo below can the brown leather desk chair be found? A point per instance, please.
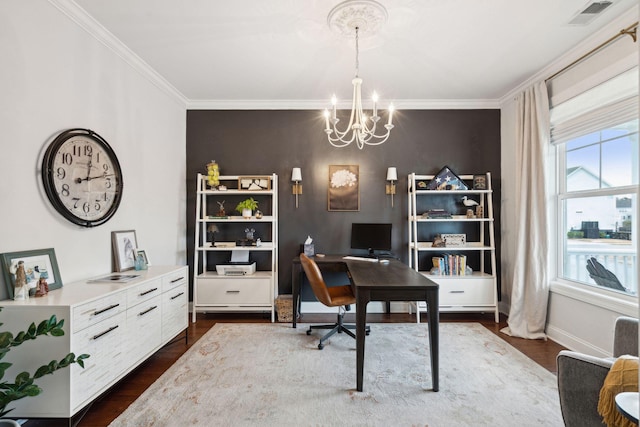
(331, 296)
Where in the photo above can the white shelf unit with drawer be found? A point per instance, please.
(213, 292)
(476, 292)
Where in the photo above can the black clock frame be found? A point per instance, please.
(48, 176)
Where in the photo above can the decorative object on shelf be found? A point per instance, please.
(479, 211)
(479, 182)
(254, 183)
(24, 385)
(246, 207)
(258, 214)
(344, 188)
(221, 212)
(438, 241)
(123, 245)
(392, 175)
(145, 258)
(35, 264)
(469, 202)
(470, 214)
(360, 18)
(296, 177)
(212, 229)
(446, 179)
(454, 239)
(43, 287)
(213, 175)
(78, 167)
(249, 233)
(436, 213)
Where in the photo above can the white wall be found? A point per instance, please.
(574, 319)
(54, 76)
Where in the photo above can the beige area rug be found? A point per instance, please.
(274, 375)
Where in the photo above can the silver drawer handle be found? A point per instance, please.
(456, 292)
(147, 292)
(177, 280)
(176, 296)
(95, 337)
(142, 313)
(95, 313)
(233, 292)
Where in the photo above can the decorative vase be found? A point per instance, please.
(246, 213)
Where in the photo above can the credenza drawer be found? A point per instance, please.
(234, 291)
(175, 311)
(103, 342)
(96, 311)
(143, 292)
(144, 329)
(174, 279)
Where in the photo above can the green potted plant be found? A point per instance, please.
(246, 207)
(23, 385)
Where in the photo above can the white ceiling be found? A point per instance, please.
(282, 51)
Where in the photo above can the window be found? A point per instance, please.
(596, 140)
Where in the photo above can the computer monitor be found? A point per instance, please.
(371, 237)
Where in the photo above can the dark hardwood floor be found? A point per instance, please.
(106, 408)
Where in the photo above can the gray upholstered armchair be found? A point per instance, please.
(580, 376)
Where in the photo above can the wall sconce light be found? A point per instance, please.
(392, 175)
(296, 177)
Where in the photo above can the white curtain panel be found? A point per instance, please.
(530, 287)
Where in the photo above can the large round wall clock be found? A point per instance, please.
(82, 177)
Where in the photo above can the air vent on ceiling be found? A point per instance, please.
(590, 12)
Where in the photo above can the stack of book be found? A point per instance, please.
(436, 213)
(450, 265)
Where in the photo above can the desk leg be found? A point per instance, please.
(362, 299)
(432, 307)
(296, 272)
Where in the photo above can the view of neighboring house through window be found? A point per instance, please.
(596, 139)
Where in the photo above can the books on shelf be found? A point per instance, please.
(449, 265)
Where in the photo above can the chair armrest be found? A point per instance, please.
(625, 338)
(580, 378)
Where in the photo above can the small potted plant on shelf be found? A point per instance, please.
(23, 385)
(246, 207)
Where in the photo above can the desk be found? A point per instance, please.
(394, 281)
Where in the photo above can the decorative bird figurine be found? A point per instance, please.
(469, 202)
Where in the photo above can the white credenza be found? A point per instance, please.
(119, 325)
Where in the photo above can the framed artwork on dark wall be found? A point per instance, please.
(344, 188)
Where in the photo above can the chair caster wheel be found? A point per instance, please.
(309, 332)
(320, 346)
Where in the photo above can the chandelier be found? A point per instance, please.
(356, 16)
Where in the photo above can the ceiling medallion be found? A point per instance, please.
(367, 15)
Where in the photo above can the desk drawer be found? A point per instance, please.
(235, 291)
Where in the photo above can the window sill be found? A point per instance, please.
(623, 304)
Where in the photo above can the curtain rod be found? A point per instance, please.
(629, 31)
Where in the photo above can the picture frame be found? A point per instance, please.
(479, 182)
(123, 246)
(254, 183)
(144, 255)
(344, 188)
(37, 263)
(446, 179)
(451, 240)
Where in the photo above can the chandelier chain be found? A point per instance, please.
(357, 52)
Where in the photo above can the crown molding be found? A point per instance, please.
(297, 104)
(85, 21)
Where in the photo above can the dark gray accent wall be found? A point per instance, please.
(268, 141)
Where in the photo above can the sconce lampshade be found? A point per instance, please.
(392, 174)
(296, 174)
